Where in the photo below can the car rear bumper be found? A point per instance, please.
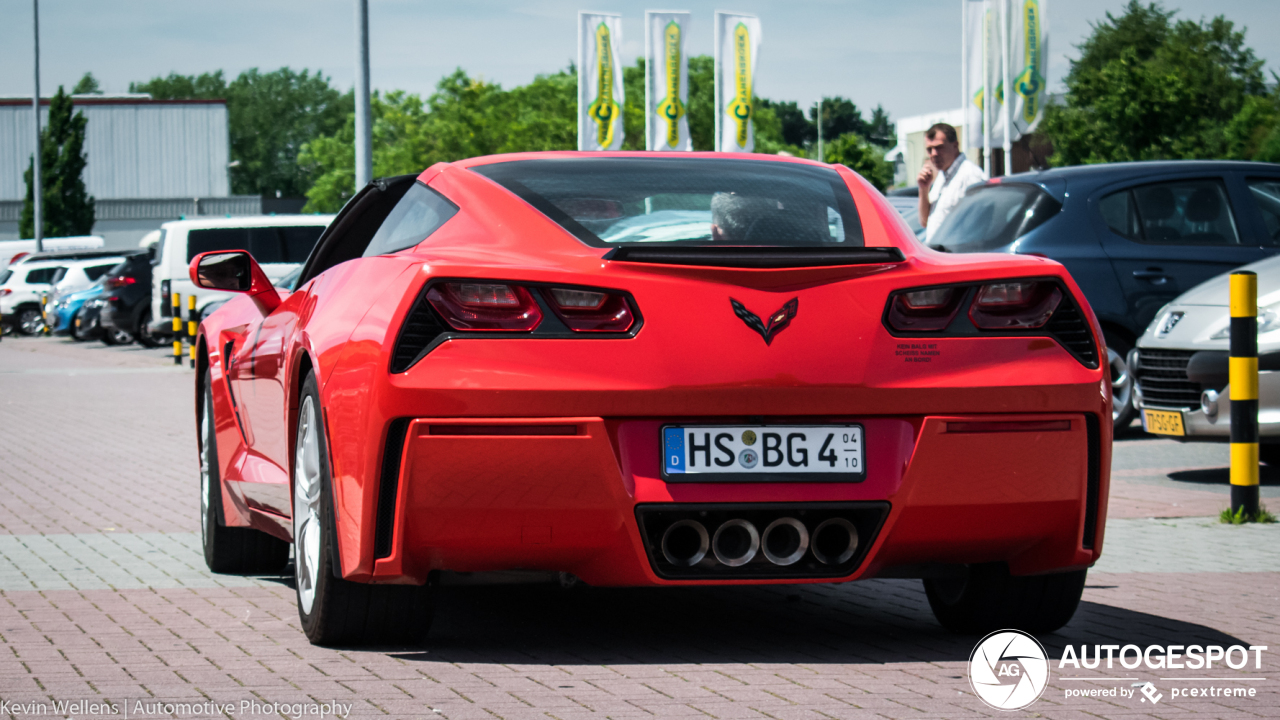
(571, 494)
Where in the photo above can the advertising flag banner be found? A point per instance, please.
(737, 45)
(973, 62)
(1028, 53)
(666, 89)
(600, 96)
(983, 73)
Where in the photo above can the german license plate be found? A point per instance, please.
(1163, 422)
(813, 453)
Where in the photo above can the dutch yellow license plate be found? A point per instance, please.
(1163, 422)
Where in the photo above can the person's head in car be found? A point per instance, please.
(759, 220)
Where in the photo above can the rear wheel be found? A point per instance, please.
(30, 321)
(989, 598)
(1122, 409)
(115, 336)
(229, 549)
(336, 611)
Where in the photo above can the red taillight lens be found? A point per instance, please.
(924, 310)
(591, 310)
(486, 306)
(5, 291)
(118, 282)
(1014, 305)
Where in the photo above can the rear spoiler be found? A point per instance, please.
(761, 258)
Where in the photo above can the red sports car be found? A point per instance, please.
(640, 369)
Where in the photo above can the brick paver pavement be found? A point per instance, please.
(105, 601)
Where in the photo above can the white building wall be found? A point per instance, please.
(135, 148)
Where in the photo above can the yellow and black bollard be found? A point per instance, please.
(177, 328)
(1244, 393)
(191, 328)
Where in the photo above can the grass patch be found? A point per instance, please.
(1240, 517)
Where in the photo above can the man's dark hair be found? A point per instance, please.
(947, 130)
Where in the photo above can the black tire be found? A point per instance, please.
(115, 336)
(30, 321)
(342, 612)
(142, 329)
(230, 550)
(991, 599)
(1121, 379)
(1269, 454)
(76, 333)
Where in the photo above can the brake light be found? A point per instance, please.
(5, 291)
(1025, 304)
(591, 310)
(486, 306)
(119, 281)
(924, 310)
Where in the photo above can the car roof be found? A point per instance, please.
(564, 154)
(1126, 170)
(248, 221)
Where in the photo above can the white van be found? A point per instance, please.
(279, 243)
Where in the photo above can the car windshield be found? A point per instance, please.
(692, 201)
(992, 216)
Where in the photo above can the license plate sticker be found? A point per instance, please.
(755, 452)
(1163, 422)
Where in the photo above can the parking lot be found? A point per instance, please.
(105, 600)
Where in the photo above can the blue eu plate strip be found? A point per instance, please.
(673, 449)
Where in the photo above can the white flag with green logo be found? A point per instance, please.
(666, 92)
(737, 45)
(983, 72)
(600, 98)
(1028, 56)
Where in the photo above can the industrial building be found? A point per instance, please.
(149, 161)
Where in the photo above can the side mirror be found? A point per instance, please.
(233, 271)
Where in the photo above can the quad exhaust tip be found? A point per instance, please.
(736, 542)
(835, 541)
(685, 543)
(785, 541)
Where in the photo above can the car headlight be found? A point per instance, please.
(1268, 321)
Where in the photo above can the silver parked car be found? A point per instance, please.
(1180, 363)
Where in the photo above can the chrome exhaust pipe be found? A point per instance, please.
(785, 541)
(735, 542)
(685, 543)
(835, 541)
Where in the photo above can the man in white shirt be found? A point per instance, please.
(944, 178)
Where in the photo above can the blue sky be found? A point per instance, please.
(904, 55)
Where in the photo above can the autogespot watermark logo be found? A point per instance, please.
(1008, 670)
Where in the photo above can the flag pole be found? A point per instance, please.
(1006, 13)
(648, 84)
(964, 79)
(715, 79)
(986, 87)
(37, 187)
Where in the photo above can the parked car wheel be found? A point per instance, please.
(117, 337)
(229, 549)
(1269, 454)
(142, 330)
(30, 321)
(77, 333)
(1122, 409)
(336, 611)
(989, 598)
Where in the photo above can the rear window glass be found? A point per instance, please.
(418, 214)
(691, 201)
(43, 276)
(97, 271)
(992, 216)
(1184, 212)
(265, 244)
(5, 275)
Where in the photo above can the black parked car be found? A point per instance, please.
(1133, 235)
(125, 301)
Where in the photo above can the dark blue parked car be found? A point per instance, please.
(1133, 235)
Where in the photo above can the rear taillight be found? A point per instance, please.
(119, 281)
(1021, 304)
(486, 306)
(5, 291)
(590, 310)
(924, 310)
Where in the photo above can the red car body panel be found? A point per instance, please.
(956, 433)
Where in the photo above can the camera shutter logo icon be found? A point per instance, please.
(1008, 670)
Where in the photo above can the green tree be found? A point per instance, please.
(702, 102)
(66, 207)
(270, 116)
(861, 157)
(88, 85)
(1147, 87)
(544, 114)
(795, 128)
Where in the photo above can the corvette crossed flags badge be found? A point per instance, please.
(778, 321)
